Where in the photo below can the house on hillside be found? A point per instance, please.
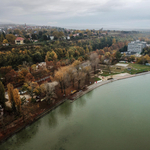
(68, 37)
(19, 40)
(51, 37)
(85, 64)
(41, 65)
(63, 37)
(75, 35)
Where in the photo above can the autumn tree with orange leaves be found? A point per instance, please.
(29, 77)
(62, 77)
(11, 77)
(17, 100)
(31, 87)
(11, 96)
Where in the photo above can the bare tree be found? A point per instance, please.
(80, 77)
(72, 71)
(87, 70)
(108, 61)
(50, 91)
(108, 65)
(94, 61)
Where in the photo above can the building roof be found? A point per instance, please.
(19, 38)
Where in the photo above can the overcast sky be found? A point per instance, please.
(93, 14)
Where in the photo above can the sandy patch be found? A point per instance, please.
(117, 76)
(122, 65)
(25, 95)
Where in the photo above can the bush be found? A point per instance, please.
(33, 100)
(8, 109)
(23, 99)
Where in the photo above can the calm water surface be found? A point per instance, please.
(115, 116)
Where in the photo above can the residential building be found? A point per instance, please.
(85, 64)
(19, 40)
(136, 46)
(68, 37)
(63, 37)
(41, 65)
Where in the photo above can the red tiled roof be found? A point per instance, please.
(19, 38)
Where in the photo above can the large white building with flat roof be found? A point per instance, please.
(136, 46)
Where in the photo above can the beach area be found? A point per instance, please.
(106, 81)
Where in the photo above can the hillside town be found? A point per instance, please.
(42, 67)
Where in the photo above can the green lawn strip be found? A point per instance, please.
(96, 78)
(137, 68)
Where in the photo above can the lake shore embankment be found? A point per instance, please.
(96, 85)
(75, 97)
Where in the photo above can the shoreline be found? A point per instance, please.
(75, 97)
(92, 87)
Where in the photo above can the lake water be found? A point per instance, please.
(115, 116)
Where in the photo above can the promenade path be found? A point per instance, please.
(90, 88)
(105, 81)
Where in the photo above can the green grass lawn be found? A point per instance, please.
(137, 68)
(96, 78)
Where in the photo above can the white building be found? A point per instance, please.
(136, 46)
(63, 37)
(52, 37)
(68, 37)
(41, 65)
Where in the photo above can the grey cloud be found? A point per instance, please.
(66, 12)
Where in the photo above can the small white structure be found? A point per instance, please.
(52, 37)
(148, 45)
(1, 111)
(41, 65)
(68, 37)
(7, 44)
(63, 37)
(137, 55)
(54, 83)
(106, 61)
(122, 65)
(147, 64)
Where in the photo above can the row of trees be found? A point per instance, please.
(33, 89)
(142, 60)
(45, 89)
(8, 38)
(72, 75)
(9, 75)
